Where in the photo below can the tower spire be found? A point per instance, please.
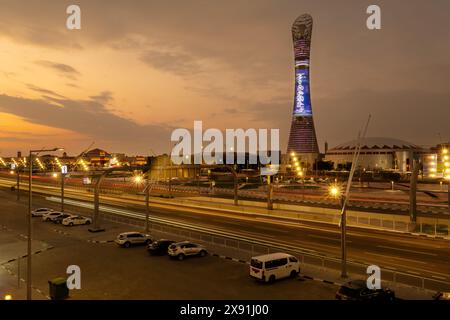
(302, 137)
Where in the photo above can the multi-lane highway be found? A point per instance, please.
(412, 254)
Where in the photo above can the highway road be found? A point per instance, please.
(412, 254)
(362, 199)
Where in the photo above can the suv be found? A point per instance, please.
(127, 239)
(183, 249)
(357, 290)
(40, 212)
(159, 247)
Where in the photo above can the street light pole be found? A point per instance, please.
(19, 155)
(18, 183)
(30, 198)
(30, 202)
(269, 193)
(62, 191)
(147, 200)
(343, 237)
(448, 192)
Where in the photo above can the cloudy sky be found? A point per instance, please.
(138, 69)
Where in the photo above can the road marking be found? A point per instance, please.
(397, 258)
(413, 272)
(328, 238)
(407, 250)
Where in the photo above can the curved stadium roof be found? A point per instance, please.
(377, 143)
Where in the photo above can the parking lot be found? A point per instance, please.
(111, 272)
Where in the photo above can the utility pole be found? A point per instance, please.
(235, 180)
(413, 193)
(62, 191)
(63, 176)
(30, 198)
(18, 183)
(19, 155)
(147, 200)
(269, 193)
(448, 200)
(344, 199)
(343, 237)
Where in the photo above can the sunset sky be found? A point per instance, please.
(138, 69)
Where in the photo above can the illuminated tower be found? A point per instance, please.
(302, 138)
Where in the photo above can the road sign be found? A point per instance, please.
(64, 169)
(13, 166)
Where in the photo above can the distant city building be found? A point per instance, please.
(377, 153)
(302, 138)
(97, 157)
(436, 163)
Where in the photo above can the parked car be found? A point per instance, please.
(74, 220)
(357, 290)
(59, 219)
(184, 249)
(159, 247)
(441, 296)
(40, 212)
(127, 239)
(50, 215)
(273, 266)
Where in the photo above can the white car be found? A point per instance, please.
(40, 212)
(273, 266)
(184, 249)
(51, 215)
(127, 239)
(76, 220)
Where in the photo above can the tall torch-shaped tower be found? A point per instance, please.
(302, 138)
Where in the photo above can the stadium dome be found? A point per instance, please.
(376, 153)
(377, 143)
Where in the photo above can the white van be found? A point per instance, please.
(270, 267)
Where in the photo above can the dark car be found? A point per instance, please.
(357, 290)
(441, 296)
(60, 218)
(159, 247)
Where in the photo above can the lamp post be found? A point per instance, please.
(300, 175)
(17, 168)
(343, 237)
(63, 175)
(448, 192)
(138, 179)
(147, 200)
(18, 183)
(30, 199)
(269, 193)
(336, 193)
